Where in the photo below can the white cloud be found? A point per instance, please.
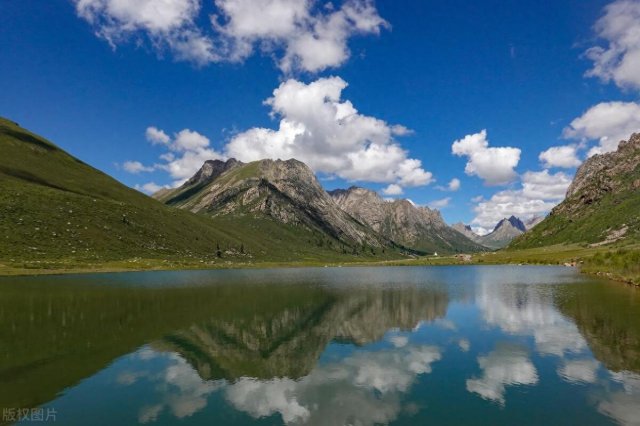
(157, 136)
(565, 156)
(136, 167)
(505, 366)
(539, 193)
(493, 165)
(440, 204)
(326, 132)
(150, 187)
(545, 186)
(302, 35)
(619, 60)
(454, 184)
(392, 189)
(188, 150)
(608, 123)
(167, 24)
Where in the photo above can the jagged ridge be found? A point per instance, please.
(403, 222)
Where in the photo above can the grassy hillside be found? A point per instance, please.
(58, 212)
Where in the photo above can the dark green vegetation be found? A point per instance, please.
(57, 212)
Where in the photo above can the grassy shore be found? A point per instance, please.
(621, 263)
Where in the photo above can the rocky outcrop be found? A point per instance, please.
(600, 175)
(403, 222)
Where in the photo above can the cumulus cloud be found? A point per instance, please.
(439, 204)
(505, 366)
(187, 151)
(150, 187)
(565, 156)
(619, 59)
(330, 135)
(392, 189)
(157, 136)
(539, 192)
(453, 185)
(136, 167)
(493, 165)
(302, 34)
(608, 123)
(317, 127)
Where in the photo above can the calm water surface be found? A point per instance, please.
(361, 346)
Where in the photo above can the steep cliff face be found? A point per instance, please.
(403, 222)
(285, 191)
(602, 205)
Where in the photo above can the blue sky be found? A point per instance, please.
(94, 75)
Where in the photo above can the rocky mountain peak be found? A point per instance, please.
(512, 221)
(210, 170)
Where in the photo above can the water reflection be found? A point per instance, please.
(366, 347)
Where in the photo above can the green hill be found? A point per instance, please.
(58, 212)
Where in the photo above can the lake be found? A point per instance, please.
(408, 345)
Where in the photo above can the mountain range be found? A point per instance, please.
(404, 222)
(229, 211)
(56, 210)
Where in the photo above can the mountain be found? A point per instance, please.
(504, 231)
(284, 192)
(602, 204)
(403, 222)
(467, 231)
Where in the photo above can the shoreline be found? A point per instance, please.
(569, 256)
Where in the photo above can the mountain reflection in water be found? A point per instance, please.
(323, 346)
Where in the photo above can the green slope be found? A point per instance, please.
(58, 212)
